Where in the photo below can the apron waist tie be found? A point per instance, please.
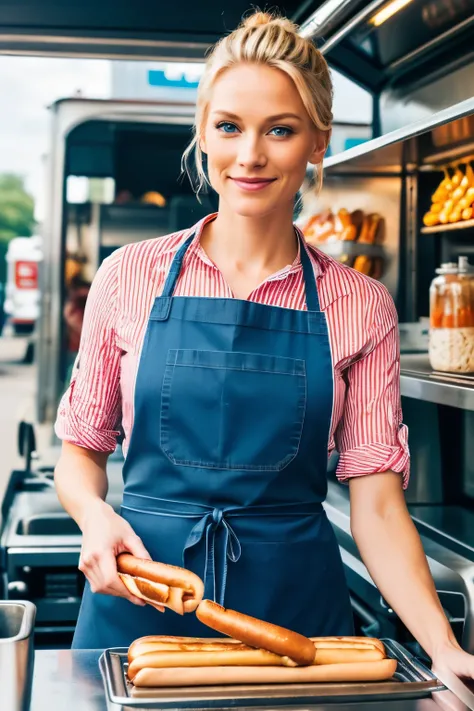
(215, 572)
(213, 526)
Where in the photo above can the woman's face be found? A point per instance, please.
(258, 139)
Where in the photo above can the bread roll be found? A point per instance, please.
(217, 676)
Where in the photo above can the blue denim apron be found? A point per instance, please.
(226, 469)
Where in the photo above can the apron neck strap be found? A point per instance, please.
(312, 299)
(175, 268)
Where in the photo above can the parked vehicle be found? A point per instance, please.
(22, 294)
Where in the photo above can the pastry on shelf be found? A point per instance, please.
(347, 231)
(370, 228)
(356, 227)
(363, 264)
(452, 199)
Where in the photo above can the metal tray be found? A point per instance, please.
(411, 680)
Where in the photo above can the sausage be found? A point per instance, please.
(214, 676)
(256, 633)
(160, 584)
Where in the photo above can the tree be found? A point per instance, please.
(16, 214)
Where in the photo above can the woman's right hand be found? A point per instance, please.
(105, 534)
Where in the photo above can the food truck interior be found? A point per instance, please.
(417, 64)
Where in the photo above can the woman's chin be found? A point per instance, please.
(254, 207)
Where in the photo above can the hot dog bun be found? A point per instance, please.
(159, 654)
(328, 642)
(204, 658)
(256, 633)
(214, 676)
(160, 584)
(158, 643)
(242, 656)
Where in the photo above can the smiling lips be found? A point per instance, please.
(252, 184)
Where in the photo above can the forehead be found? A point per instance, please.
(255, 89)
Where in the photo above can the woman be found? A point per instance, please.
(236, 358)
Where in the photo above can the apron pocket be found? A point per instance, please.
(224, 410)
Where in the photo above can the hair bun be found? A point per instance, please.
(259, 19)
(256, 19)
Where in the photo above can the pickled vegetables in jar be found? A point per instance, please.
(451, 346)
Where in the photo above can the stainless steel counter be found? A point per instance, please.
(417, 380)
(71, 681)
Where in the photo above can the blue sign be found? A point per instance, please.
(157, 77)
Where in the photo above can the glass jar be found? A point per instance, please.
(451, 346)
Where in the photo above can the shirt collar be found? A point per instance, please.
(339, 282)
(316, 257)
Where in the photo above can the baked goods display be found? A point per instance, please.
(354, 227)
(453, 200)
(252, 652)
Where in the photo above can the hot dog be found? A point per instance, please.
(160, 584)
(213, 676)
(256, 633)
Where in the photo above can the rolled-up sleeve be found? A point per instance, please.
(90, 410)
(371, 437)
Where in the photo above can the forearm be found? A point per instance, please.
(391, 549)
(81, 480)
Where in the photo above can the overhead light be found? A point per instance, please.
(388, 11)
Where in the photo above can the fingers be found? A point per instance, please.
(101, 572)
(112, 585)
(135, 546)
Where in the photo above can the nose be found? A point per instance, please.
(251, 153)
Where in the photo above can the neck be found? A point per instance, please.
(263, 244)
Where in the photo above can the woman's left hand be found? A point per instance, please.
(456, 660)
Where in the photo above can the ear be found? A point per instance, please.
(202, 143)
(321, 144)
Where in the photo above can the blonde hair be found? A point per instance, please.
(267, 39)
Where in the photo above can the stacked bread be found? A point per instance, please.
(344, 226)
(250, 652)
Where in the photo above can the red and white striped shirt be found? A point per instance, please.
(366, 426)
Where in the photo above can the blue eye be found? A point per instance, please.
(281, 131)
(226, 127)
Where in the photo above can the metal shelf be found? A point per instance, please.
(461, 225)
(385, 152)
(418, 381)
(351, 249)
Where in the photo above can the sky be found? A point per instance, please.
(28, 85)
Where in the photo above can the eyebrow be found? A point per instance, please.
(270, 119)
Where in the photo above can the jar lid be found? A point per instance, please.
(462, 266)
(447, 268)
